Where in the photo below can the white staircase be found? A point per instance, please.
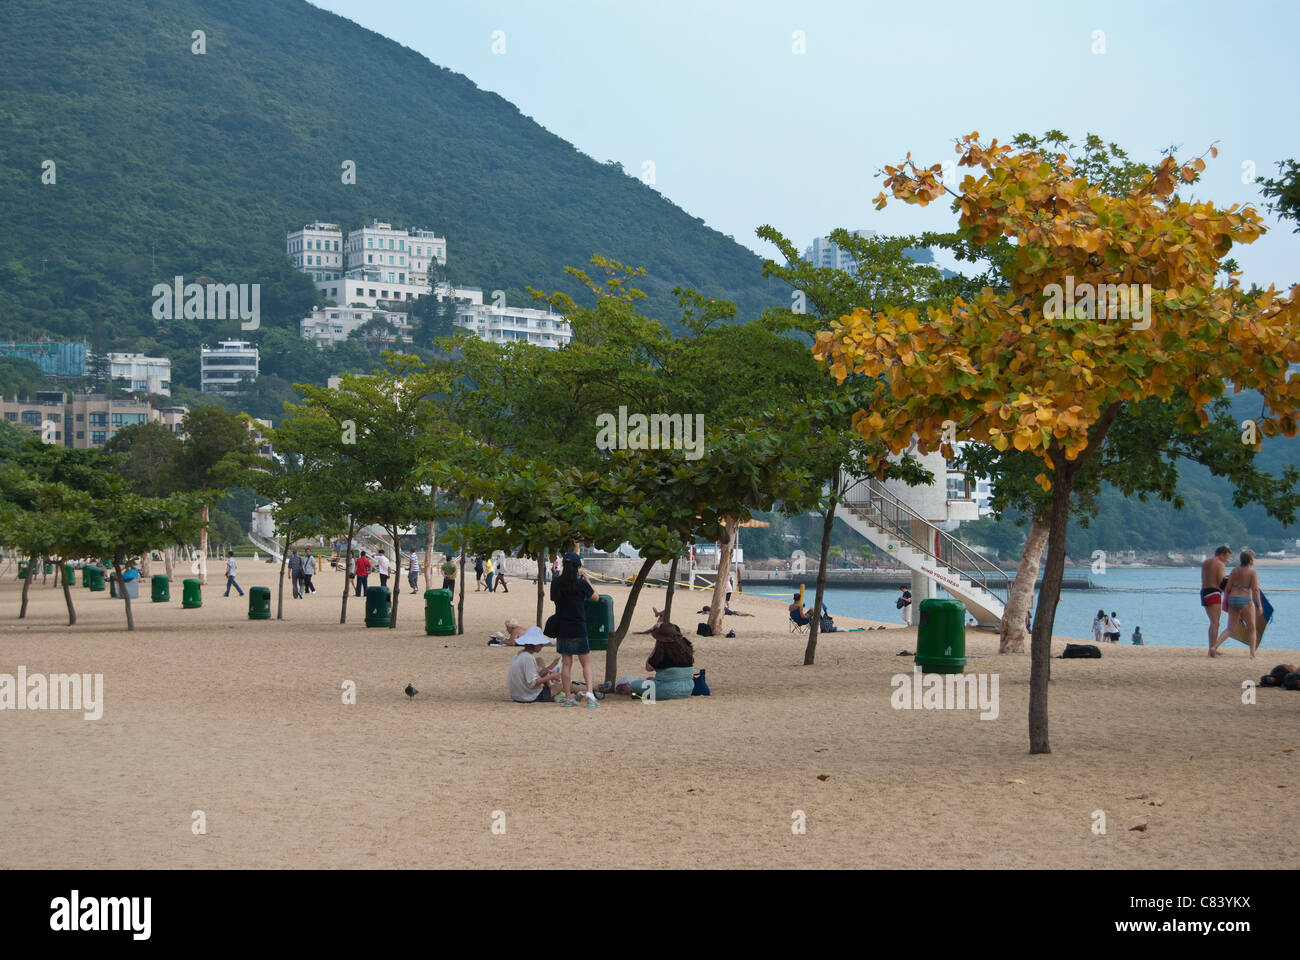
(919, 545)
(268, 546)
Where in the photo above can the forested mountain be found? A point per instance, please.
(167, 162)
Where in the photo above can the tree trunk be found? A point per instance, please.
(541, 586)
(397, 578)
(284, 559)
(168, 560)
(724, 570)
(347, 582)
(146, 565)
(668, 598)
(121, 586)
(430, 536)
(1013, 635)
(611, 655)
(27, 582)
(1045, 615)
(203, 548)
(67, 598)
(828, 522)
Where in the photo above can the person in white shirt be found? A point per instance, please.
(527, 680)
(230, 576)
(382, 567)
(1114, 630)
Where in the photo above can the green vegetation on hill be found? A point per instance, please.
(171, 163)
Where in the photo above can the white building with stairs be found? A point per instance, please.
(903, 521)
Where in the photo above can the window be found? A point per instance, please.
(54, 417)
(99, 419)
(81, 434)
(11, 417)
(80, 417)
(98, 438)
(401, 244)
(369, 243)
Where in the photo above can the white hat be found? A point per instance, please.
(533, 636)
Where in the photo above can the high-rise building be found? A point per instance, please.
(225, 367)
(84, 420)
(317, 250)
(822, 253)
(55, 359)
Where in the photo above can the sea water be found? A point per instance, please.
(1164, 602)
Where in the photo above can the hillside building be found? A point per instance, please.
(317, 250)
(83, 421)
(140, 374)
(822, 253)
(225, 367)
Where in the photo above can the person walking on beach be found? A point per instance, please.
(1114, 628)
(363, 574)
(449, 575)
(308, 571)
(1244, 599)
(501, 577)
(413, 572)
(569, 593)
(478, 573)
(905, 605)
(382, 566)
(490, 572)
(1214, 577)
(295, 574)
(230, 576)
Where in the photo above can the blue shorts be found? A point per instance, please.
(572, 646)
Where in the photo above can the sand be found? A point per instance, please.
(244, 721)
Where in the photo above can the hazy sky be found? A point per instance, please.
(741, 130)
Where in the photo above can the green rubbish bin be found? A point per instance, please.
(600, 621)
(85, 575)
(47, 569)
(22, 569)
(439, 619)
(96, 583)
(191, 594)
(379, 607)
(161, 588)
(941, 636)
(69, 574)
(259, 603)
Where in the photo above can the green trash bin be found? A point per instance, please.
(161, 588)
(96, 583)
(439, 618)
(191, 594)
(22, 569)
(379, 607)
(941, 636)
(259, 603)
(69, 574)
(600, 621)
(48, 568)
(85, 575)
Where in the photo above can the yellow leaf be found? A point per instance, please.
(1043, 482)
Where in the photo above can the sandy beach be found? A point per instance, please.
(207, 711)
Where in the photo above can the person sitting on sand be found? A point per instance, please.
(1243, 603)
(798, 613)
(528, 680)
(671, 661)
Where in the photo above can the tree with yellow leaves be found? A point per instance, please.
(1048, 364)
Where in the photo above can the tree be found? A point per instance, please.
(1284, 193)
(1012, 370)
(215, 440)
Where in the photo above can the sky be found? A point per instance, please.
(737, 126)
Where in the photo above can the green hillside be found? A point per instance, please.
(168, 163)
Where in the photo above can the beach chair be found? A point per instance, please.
(798, 626)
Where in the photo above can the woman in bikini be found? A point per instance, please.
(1244, 602)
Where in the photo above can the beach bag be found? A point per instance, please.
(828, 625)
(1080, 651)
(703, 630)
(701, 688)
(549, 628)
(898, 604)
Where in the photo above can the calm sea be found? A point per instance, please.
(1165, 603)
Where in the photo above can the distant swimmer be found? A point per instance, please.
(1214, 577)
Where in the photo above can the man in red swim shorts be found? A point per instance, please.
(1214, 574)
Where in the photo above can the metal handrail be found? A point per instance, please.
(888, 512)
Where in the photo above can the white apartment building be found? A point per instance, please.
(369, 289)
(329, 325)
(822, 253)
(397, 255)
(141, 374)
(542, 328)
(426, 248)
(316, 250)
(223, 368)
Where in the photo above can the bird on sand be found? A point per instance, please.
(411, 691)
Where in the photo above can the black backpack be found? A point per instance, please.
(703, 630)
(1081, 651)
